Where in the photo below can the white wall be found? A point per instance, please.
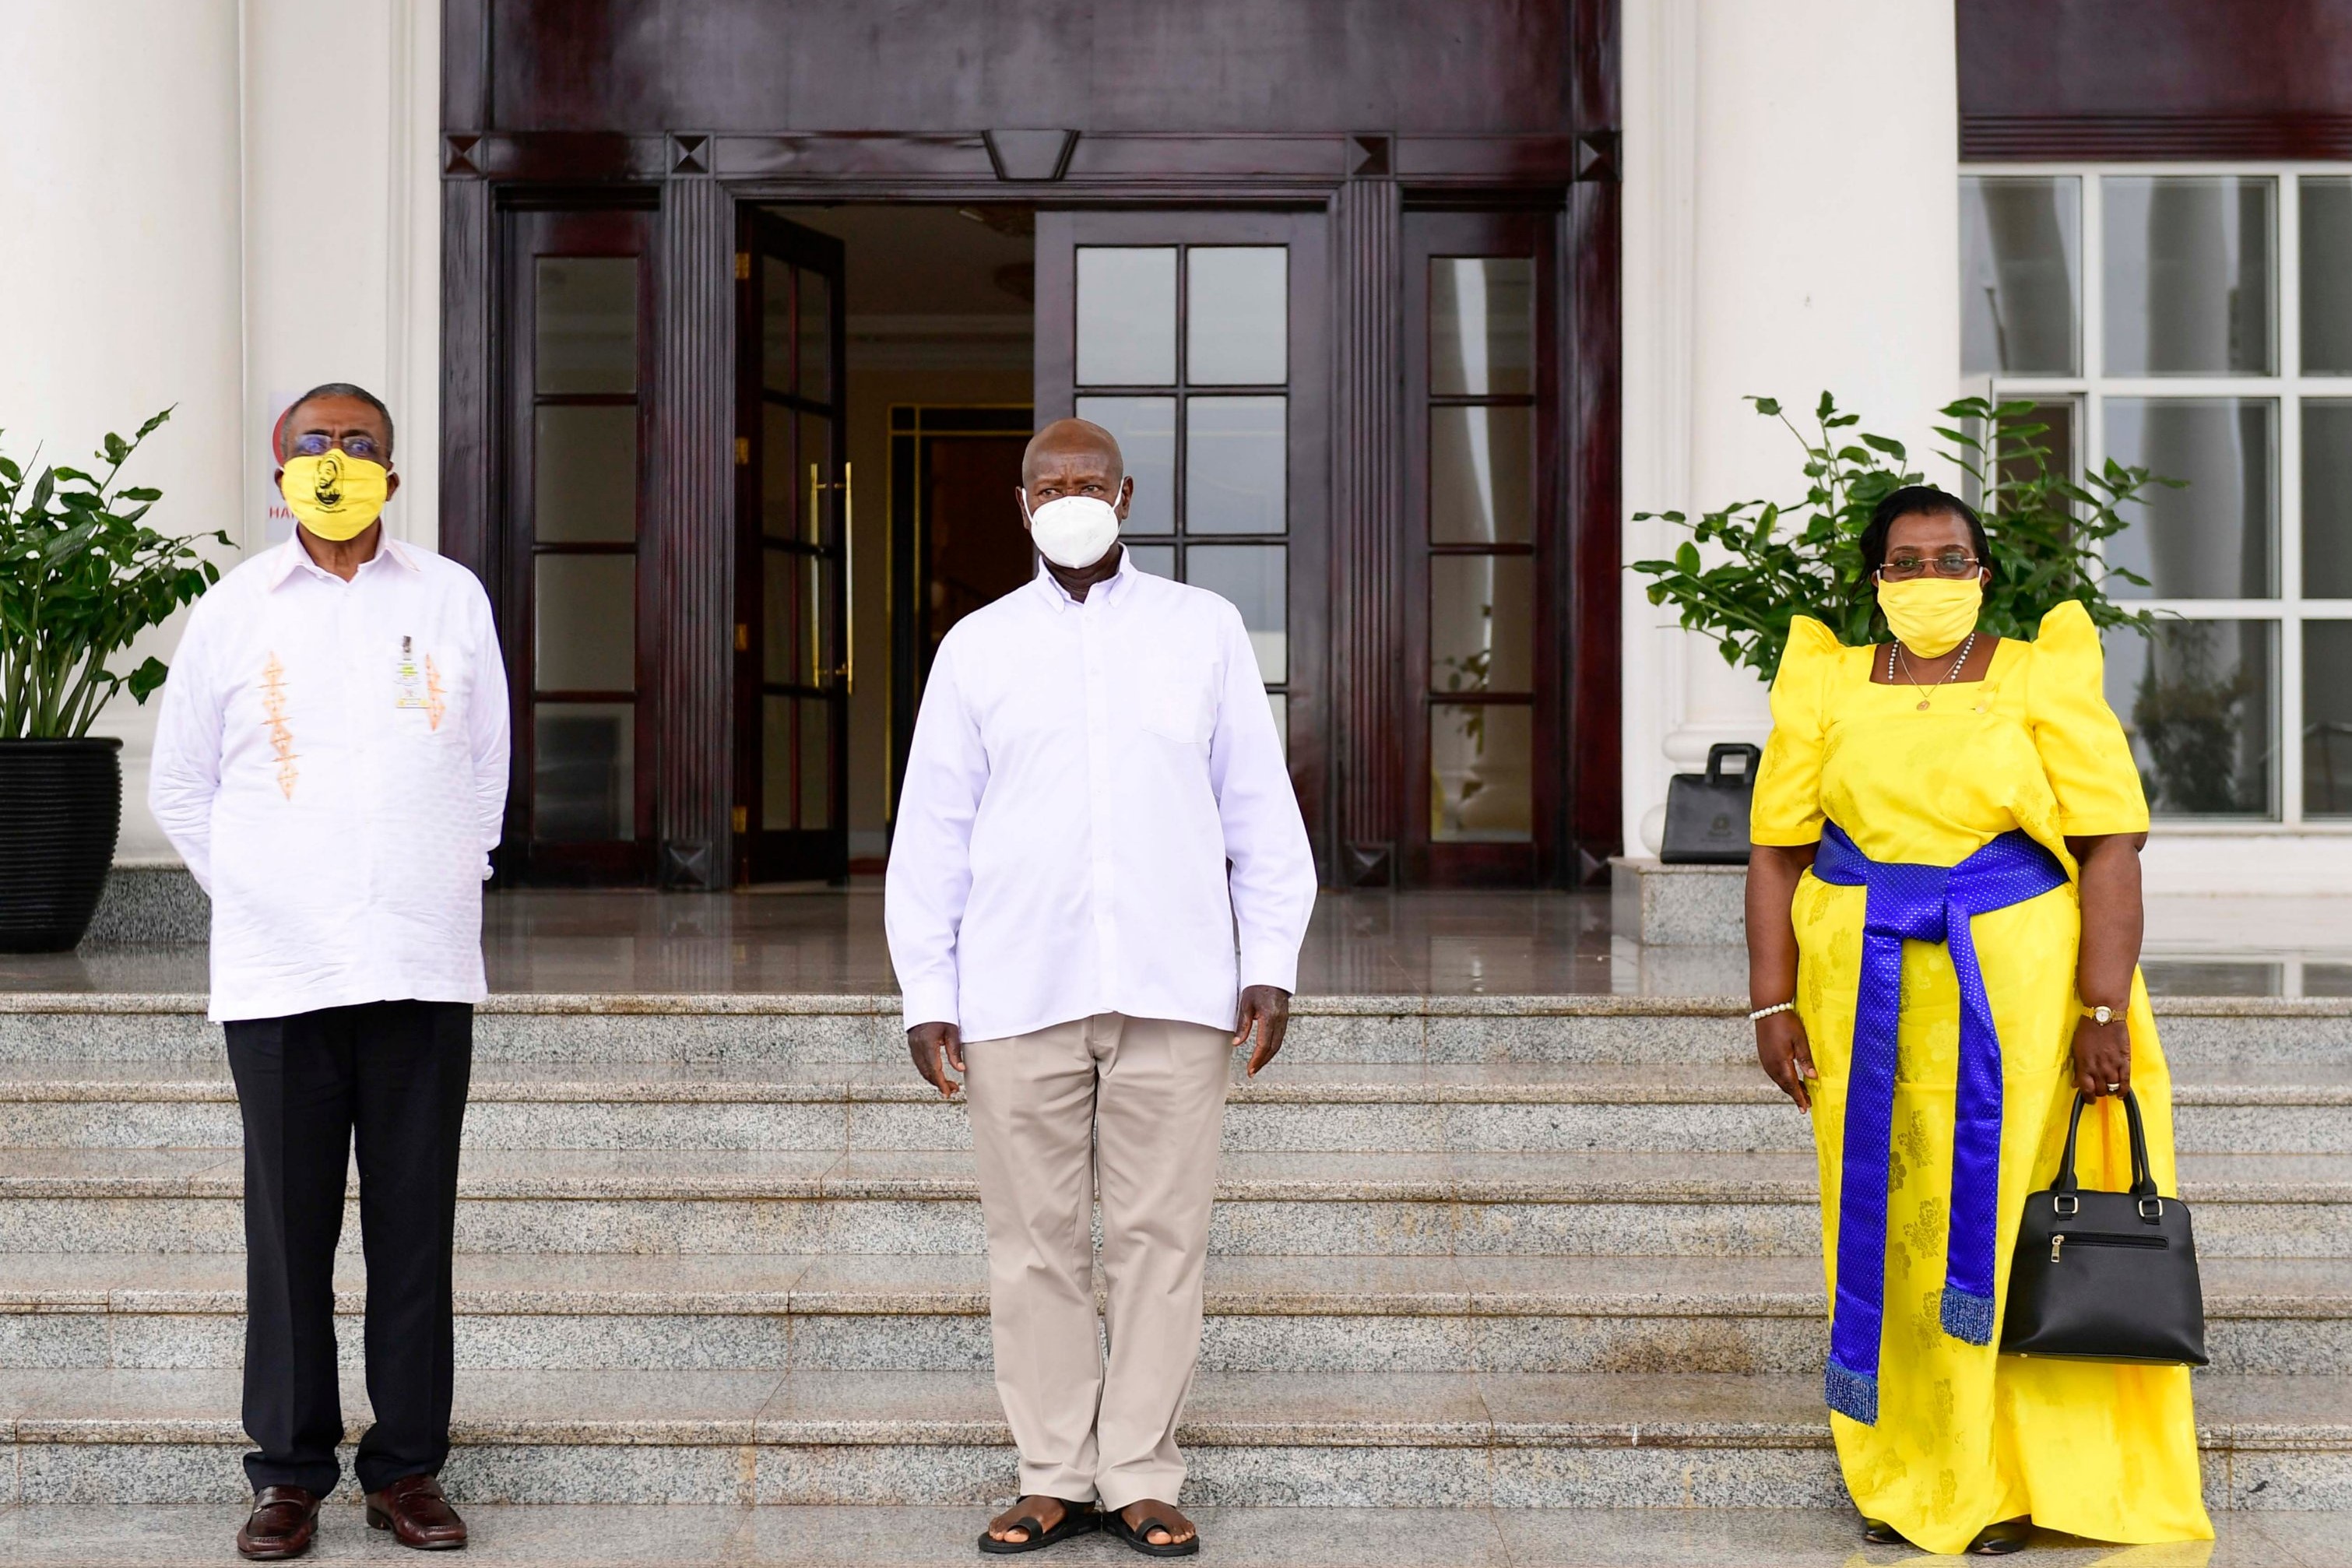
(1791, 225)
(342, 232)
(209, 201)
(122, 261)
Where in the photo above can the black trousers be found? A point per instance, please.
(394, 1073)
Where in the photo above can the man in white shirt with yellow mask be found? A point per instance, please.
(332, 764)
(1097, 815)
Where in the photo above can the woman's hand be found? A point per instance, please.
(1787, 1055)
(2113, 920)
(2102, 1057)
(1773, 872)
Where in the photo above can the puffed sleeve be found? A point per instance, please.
(1787, 806)
(2082, 743)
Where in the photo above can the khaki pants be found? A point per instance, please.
(1131, 1107)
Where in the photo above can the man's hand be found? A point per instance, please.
(1787, 1055)
(928, 1044)
(1269, 1005)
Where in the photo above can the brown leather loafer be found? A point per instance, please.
(281, 1526)
(414, 1510)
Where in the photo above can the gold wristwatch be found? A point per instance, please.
(2102, 1013)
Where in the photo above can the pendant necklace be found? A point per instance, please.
(1896, 647)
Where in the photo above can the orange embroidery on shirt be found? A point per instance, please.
(281, 738)
(434, 703)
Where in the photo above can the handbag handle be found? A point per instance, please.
(2143, 1184)
(1716, 754)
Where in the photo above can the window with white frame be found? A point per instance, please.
(2198, 320)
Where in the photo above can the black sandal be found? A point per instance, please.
(1878, 1532)
(1139, 1536)
(2000, 1540)
(1077, 1519)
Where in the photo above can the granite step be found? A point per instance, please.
(1373, 1315)
(773, 1030)
(1329, 1107)
(1618, 1202)
(786, 1536)
(1457, 1440)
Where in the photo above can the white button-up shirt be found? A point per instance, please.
(1095, 805)
(332, 764)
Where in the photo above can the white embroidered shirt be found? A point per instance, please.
(332, 764)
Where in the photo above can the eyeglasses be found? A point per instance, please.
(317, 443)
(1908, 564)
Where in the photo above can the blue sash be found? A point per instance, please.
(1919, 903)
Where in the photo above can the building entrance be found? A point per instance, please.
(1365, 381)
(886, 358)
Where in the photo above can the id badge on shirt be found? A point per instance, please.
(417, 684)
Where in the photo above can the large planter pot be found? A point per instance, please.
(61, 809)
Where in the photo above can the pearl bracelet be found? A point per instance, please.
(1763, 1013)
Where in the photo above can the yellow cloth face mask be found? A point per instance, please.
(1931, 615)
(335, 494)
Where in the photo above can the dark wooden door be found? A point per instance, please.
(575, 606)
(1198, 339)
(1485, 648)
(974, 549)
(794, 493)
(956, 538)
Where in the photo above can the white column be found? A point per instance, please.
(342, 232)
(216, 204)
(120, 250)
(1792, 226)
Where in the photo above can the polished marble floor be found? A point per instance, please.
(825, 941)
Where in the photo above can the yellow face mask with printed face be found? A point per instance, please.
(334, 494)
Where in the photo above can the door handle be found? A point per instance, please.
(847, 670)
(849, 577)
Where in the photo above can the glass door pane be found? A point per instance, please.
(1488, 704)
(792, 644)
(1236, 465)
(1194, 338)
(1233, 452)
(2021, 249)
(579, 296)
(1127, 316)
(2189, 274)
(583, 774)
(1238, 304)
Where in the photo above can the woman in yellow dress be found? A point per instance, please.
(1943, 928)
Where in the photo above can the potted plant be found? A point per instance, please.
(80, 576)
(1746, 570)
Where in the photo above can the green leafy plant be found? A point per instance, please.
(80, 576)
(1746, 570)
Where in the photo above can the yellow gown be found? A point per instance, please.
(1966, 1436)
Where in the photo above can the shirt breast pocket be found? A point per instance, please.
(427, 694)
(1176, 704)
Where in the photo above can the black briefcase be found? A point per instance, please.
(1706, 814)
(2106, 1276)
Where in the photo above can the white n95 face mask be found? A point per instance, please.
(1073, 531)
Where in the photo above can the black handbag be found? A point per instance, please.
(2105, 1276)
(1706, 814)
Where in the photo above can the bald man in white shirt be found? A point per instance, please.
(332, 764)
(1098, 883)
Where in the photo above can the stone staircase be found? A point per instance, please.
(1549, 1252)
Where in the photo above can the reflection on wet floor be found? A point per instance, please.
(829, 941)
